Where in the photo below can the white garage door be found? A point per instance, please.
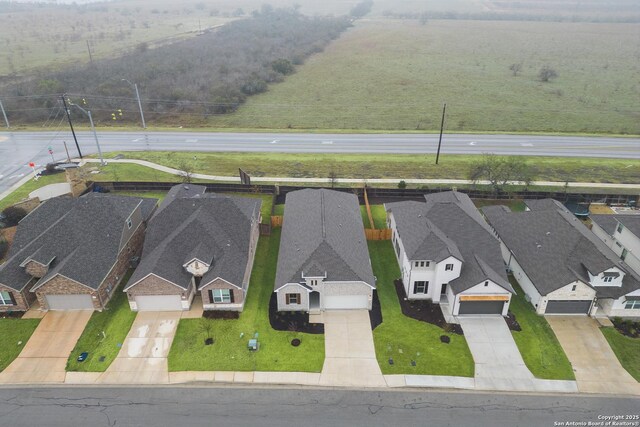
(69, 302)
(346, 302)
(159, 303)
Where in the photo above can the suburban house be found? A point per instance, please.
(622, 234)
(323, 263)
(197, 242)
(448, 254)
(563, 267)
(71, 253)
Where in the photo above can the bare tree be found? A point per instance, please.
(186, 171)
(547, 73)
(500, 171)
(333, 177)
(516, 68)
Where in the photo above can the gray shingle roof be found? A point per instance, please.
(80, 237)
(610, 222)
(448, 223)
(182, 191)
(215, 229)
(554, 248)
(544, 204)
(323, 233)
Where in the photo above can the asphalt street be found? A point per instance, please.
(225, 406)
(17, 149)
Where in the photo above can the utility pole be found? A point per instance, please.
(64, 102)
(67, 151)
(135, 86)
(4, 114)
(89, 49)
(95, 134)
(444, 109)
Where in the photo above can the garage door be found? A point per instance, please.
(568, 307)
(69, 302)
(159, 303)
(481, 307)
(346, 302)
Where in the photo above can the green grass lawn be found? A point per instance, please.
(229, 352)
(405, 339)
(14, 331)
(397, 74)
(537, 343)
(379, 216)
(364, 166)
(115, 321)
(160, 195)
(278, 210)
(23, 191)
(514, 205)
(627, 350)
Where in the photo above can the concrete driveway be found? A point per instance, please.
(44, 357)
(499, 365)
(595, 365)
(350, 356)
(143, 357)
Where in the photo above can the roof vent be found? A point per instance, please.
(186, 187)
(538, 246)
(548, 233)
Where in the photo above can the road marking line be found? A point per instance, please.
(327, 142)
(472, 143)
(136, 140)
(526, 144)
(274, 141)
(16, 176)
(191, 140)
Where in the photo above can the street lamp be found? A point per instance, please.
(135, 86)
(93, 128)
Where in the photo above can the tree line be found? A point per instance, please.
(212, 73)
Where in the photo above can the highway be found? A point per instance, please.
(17, 149)
(279, 407)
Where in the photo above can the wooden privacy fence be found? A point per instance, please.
(375, 234)
(276, 220)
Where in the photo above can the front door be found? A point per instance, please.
(443, 289)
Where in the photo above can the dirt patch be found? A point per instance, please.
(221, 314)
(628, 328)
(424, 310)
(292, 321)
(512, 323)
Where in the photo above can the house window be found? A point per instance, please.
(448, 267)
(129, 222)
(573, 288)
(221, 296)
(292, 298)
(608, 279)
(624, 254)
(6, 298)
(618, 244)
(314, 282)
(620, 227)
(486, 283)
(417, 263)
(420, 287)
(631, 305)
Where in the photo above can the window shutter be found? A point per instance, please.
(415, 287)
(287, 298)
(13, 300)
(210, 296)
(298, 299)
(232, 299)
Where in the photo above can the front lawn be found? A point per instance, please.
(537, 343)
(405, 339)
(229, 351)
(23, 191)
(627, 350)
(115, 321)
(15, 334)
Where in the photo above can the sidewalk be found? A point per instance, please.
(351, 180)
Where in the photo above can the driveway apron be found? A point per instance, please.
(350, 356)
(498, 363)
(595, 365)
(143, 357)
(44, 357)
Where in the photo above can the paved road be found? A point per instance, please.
(282, 408)
(17, 149)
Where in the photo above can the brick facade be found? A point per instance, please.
(238, 296)
(60, 285)
(23, 299)
(154, 285)
(35, 269)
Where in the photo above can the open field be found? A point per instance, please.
(369, 166)
(389, 74)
